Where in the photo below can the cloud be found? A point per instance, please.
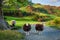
(55, 0)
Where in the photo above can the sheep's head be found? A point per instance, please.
(27, 24)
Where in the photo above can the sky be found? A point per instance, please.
(48, 2)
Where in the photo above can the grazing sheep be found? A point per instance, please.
(39, 27)
(27, 28)
(13, 22)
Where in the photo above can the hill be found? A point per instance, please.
(25, 6)
(54, 10)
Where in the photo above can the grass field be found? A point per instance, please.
(21, 21)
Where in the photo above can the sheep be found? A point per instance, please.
(27, 28)
(39, 27)
(13, 22)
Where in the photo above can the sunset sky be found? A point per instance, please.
(48, 2)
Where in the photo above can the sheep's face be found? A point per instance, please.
(27, 24)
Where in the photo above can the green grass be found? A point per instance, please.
(10, 35)
(20, 21)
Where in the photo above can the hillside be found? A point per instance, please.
(28, 12)
(27, 6)
(47, 9)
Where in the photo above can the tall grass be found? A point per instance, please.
(10, 35)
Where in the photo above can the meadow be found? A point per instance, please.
(20, 21)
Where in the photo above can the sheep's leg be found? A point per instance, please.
(27, 33)
(39, 32)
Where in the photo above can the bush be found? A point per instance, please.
(35, 17)
(10, 35)
(55, 23)
(57, 20)
(42, 18)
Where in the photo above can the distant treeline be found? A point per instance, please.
(17, 13)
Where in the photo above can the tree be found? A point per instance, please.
(2, 22)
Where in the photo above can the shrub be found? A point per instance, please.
(57, 20)
(35, 17)
(10, 35)
(55, 23)
(42, 18)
